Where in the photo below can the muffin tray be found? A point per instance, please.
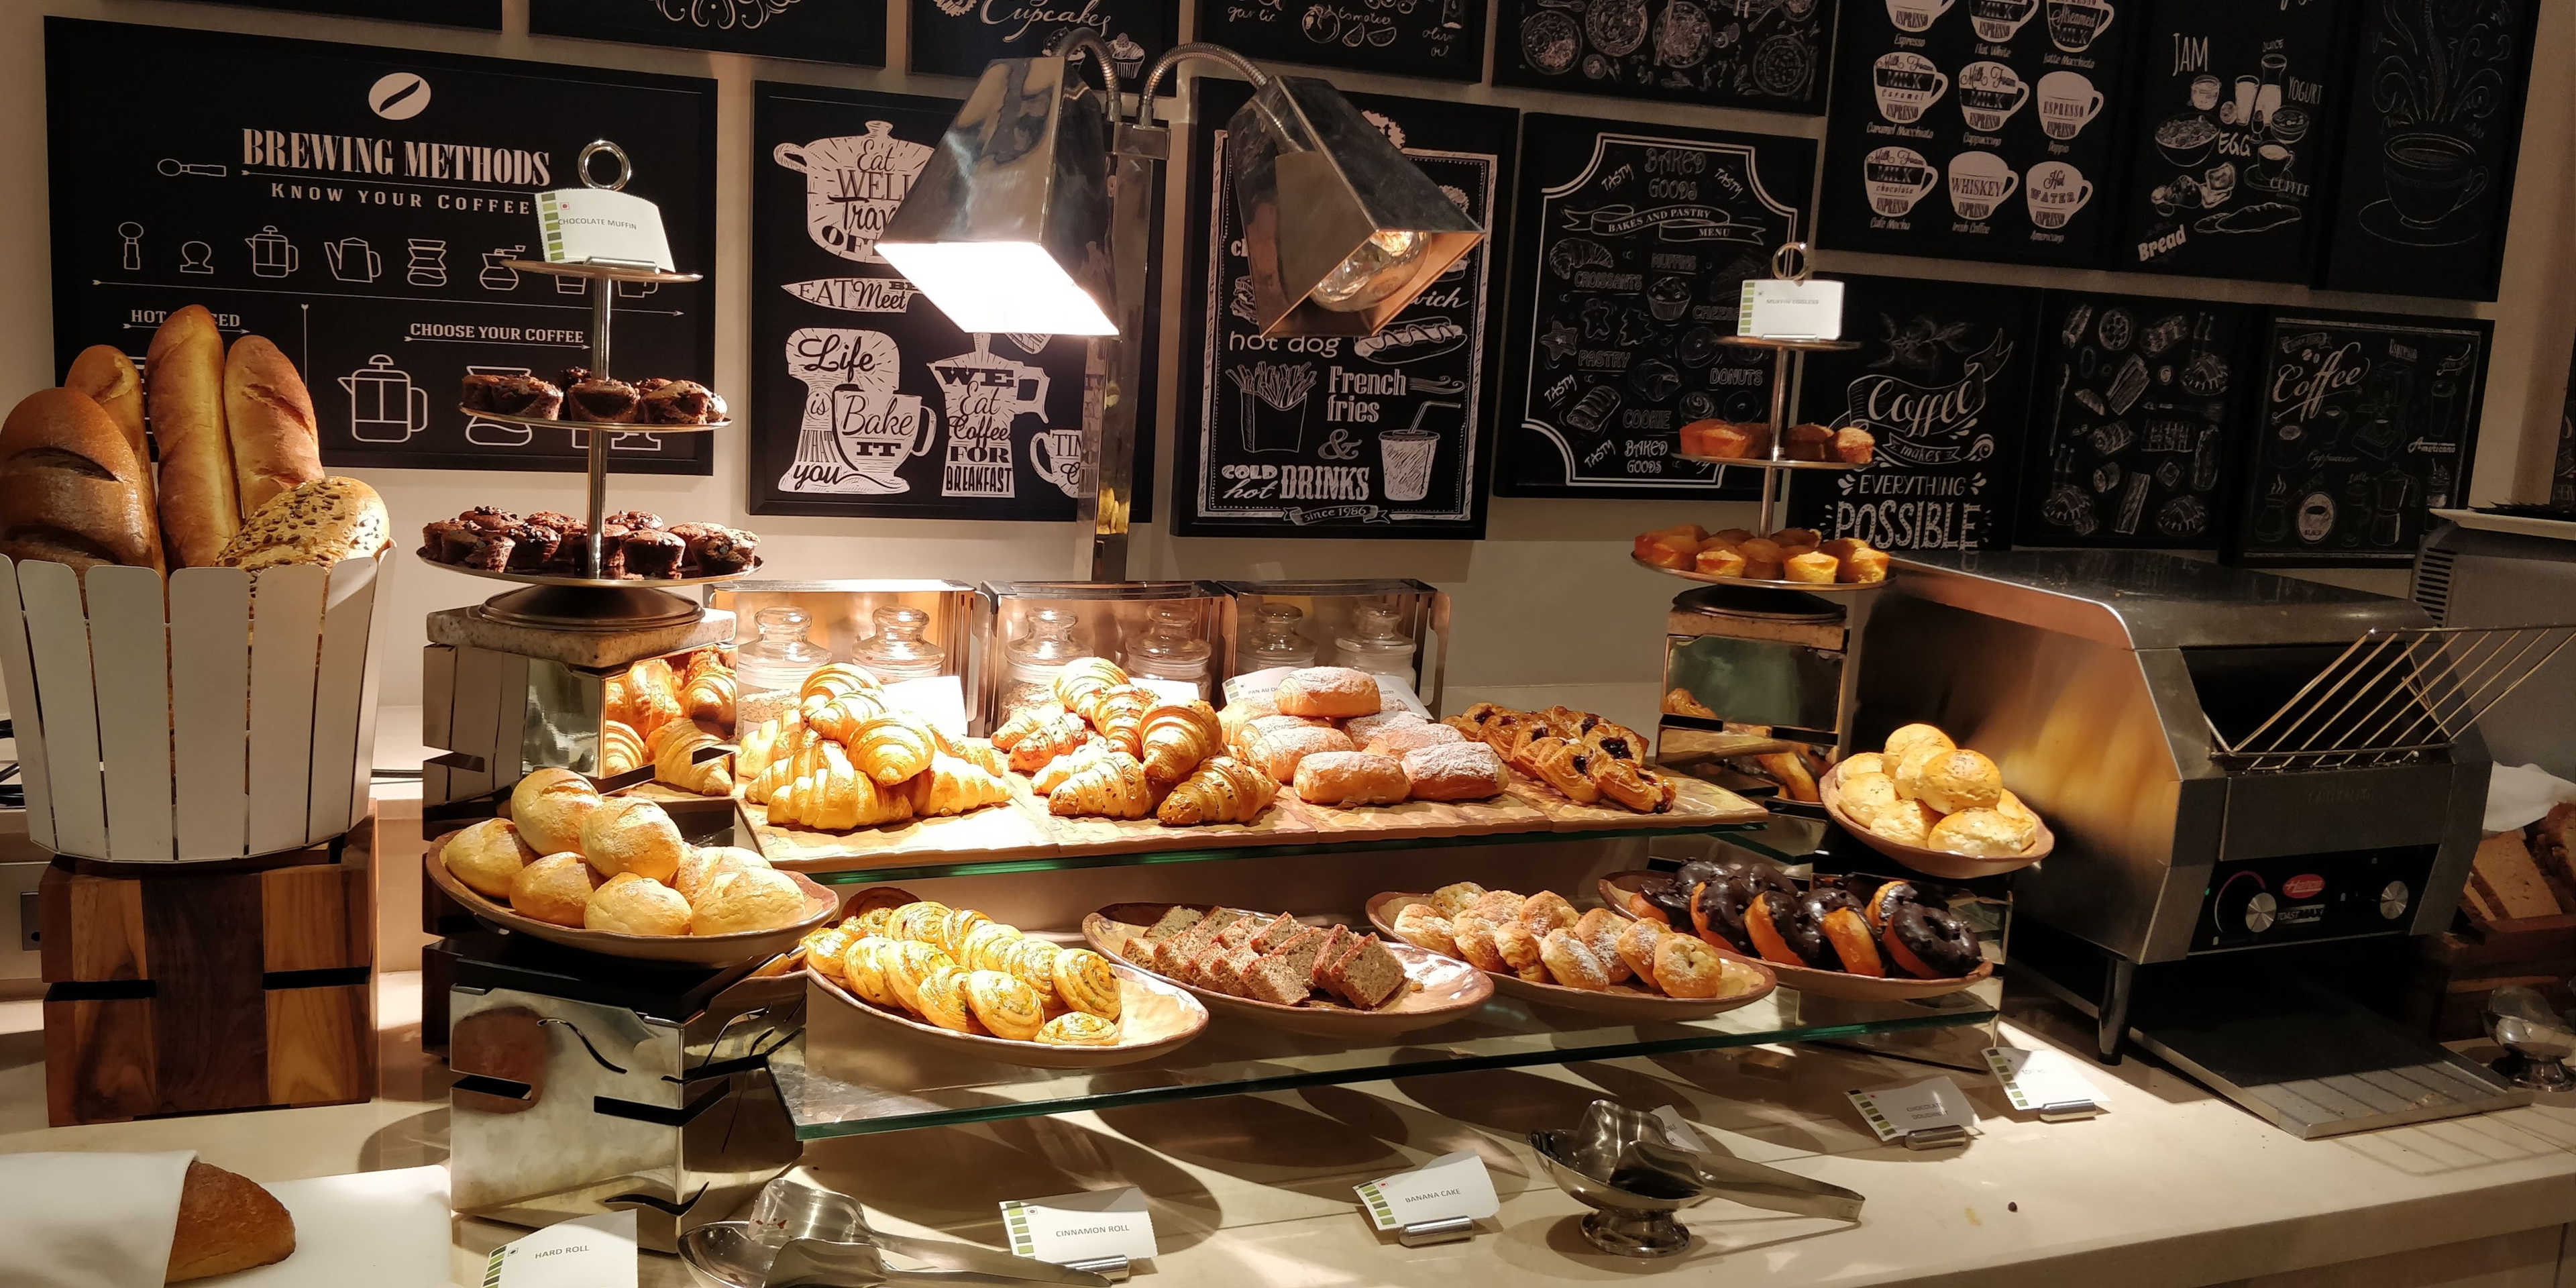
(558, 579)
(1810, 587)
(614, 427)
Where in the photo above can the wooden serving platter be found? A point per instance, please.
(1696, 801)
(1437, 989)
(1155, 1016)
(1630, 1001)
(821, 905)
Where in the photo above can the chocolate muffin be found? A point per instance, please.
(653, 552)
(600, 400)
(512, 396)
(532, 545)
(637, 519)
(679, 402)
(446, 540)
(729, 550)
(572, 556)
(490, 518)
(555, 519)
(488, 549)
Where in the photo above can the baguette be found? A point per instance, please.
(226, 1223)
(269, 418)
(71, 490)
(110, 380)
(200, 506)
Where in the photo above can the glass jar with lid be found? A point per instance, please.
(1377, 643)
(897, 651)
(1275, 639)
(1032, 660)
(1172, 649)
(770, 669)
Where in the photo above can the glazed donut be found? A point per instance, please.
(1644, 903)
(1718, 907)
(1931, 942)
(1698, 870)
(1782, 932)
(1882, 901)
(1846, 931)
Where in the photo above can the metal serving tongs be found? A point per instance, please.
(1621, 1165)
(802, 1235)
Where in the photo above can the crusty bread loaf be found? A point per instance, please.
(269, 418)
(71, 490)
(110, 380)
(200, 502)
(322, 522)
(226, 1223)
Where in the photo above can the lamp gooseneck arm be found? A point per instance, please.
(1083, 40)
(1183, 53)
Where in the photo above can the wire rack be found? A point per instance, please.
(2395, 696)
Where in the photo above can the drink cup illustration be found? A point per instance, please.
(2054, 191)
(1998, 21)
(1407, 454)
(852, 185)
(2073, 25)
(2204, 93)
(2068, 102)
(1057, 454)
(1916, 15)
(2430, 176)
(352, 260)
(1989, 94)
(1896, 179)
(1908, 85)
(1979, 182)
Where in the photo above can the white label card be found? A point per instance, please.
(939, 699)
(1450, 1186)
(1898, 1111)
(593, 1252)
(580, 224)
(1081, 1227)
(1181, 691)
(1678, 1132)
(1773, 309)
(2039, 1079)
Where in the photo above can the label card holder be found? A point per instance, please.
(1931, 1114)
(1777, 309)
(592, 1252)
(1096, 1230)
(1437, 1202)
(2044, 1081)
(579, 225)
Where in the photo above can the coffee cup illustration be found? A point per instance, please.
(1057, 454)
(1979, 182)
(1908, 85)
(2430, 176)
(2067, 103)
(2054, 191)
(1916, 15)
(1989, 94)
(1997, 21)
(1896, 179)
(2073, 25)
(852, 185)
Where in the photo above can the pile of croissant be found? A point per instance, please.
(844, 758)
(661, 715)
(1107, 748)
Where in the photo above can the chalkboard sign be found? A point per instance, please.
(1942, 381)
(1387, 436)
(823, 31)
(2237, 112)
(2136, 416)
(1437, 39)
(866, 399)
(2364, 423)
(1767, 54)
(1992, 131)
(2429, 155)
(1634, 242)
(359, 206)
(957, 37)
(446, 13)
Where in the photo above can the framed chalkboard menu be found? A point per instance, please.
(447, 13)
(866, 399)
(359, 207)
(1632, 246)
(1385, 436)
(2137, 412)
(1436, 39)
(1990, 131)
(2237, 112)
(2365, 421)
(824, 31)
(1767, 54)
(957, 37)
(1941, 379)
(2429, 155)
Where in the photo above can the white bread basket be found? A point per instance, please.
(241, 721)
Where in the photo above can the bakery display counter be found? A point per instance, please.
(847, 1077)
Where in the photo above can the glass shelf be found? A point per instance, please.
(846, 1077)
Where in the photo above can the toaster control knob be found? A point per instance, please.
(2259, 910)
(2393, 900)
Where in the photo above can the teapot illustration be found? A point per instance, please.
(271, 255)
(352, 259)
(384, 407)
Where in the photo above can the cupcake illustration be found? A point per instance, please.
(1127, 55)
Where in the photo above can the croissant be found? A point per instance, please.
(1118, 712)
(776, 738)
(621, 750)
(674, 745)
(1084, 676)
(831, 681)
(785, 767)
(839, 717)
(1176, 737)
(835, 797)
(703, 662)
(974, 751)
(709, 696)
(648, 696)
(1054, 772)
(1061, 733)
(890, 749)
(1111, 787)
(1027, 721)
(1221, 790)
(953, 786)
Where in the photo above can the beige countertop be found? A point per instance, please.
(2171, 1186)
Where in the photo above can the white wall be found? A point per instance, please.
(1548, 599)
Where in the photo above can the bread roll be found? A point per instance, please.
(702, 863)
(555, 888)
(1908, 736)
(322, 522)
(1981, 833)
(550, 805)
(1906, 823)
(269, 418)
(1908, 770)
(226, 1223)
(71, 488)
(110, 380)
(626, 834)
(1960, 779)
(1327, 691)
(633, 905)
(740, 899)
(200, 504)
(1865, 796)
(487, 857)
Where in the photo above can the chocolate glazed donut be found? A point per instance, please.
(1782, 930)
(1718, 905)
(1837, 916)
(1931, 942)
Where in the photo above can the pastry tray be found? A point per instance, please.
(1761, 463)
(1808, 587)
(556, 579)
(614, 427)
(605, 272)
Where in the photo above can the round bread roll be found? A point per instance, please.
(549, 806)
(555, 888)
(1908, 769)
(702, 863)
(1906, 738)
(1867, 762)
(487, 857)
(1960, 779)
(321, 522)
(1983, 834)
(741, 899)
(2010, 806)
(1906, 823)
(1330, 691)
(1866, 796)
(626, 834)
(633, 905)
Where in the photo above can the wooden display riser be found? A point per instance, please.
(196, 988)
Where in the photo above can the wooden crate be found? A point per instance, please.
(2461, 966)
(206, 987)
